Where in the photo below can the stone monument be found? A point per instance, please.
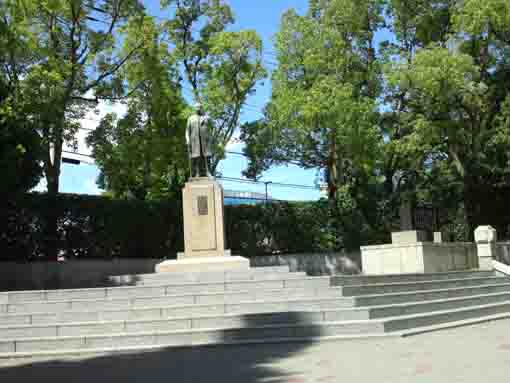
(204, 228)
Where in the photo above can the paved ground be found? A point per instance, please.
(478, 353)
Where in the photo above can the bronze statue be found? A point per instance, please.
(199, 140)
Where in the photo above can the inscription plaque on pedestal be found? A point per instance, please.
(202, 205)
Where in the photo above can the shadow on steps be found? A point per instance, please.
(249, 363)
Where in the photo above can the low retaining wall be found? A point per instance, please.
(420, 257)
(69, 274)
(313, 264)
(503, 252)
(75, 274)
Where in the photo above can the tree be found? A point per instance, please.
(454, 87)
(20, 145)
(322, 112)
(221, 67)
(143, 154)
(73, 53)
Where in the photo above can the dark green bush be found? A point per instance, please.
(90, 227)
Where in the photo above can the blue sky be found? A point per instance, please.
(263, 16)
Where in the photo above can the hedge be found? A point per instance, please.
(90, 226)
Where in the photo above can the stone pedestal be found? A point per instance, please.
(412, 252)
(485, 238)
(204, 231)
(408, 237)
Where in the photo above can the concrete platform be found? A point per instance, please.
(203, 264)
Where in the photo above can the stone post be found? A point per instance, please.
(485, 238)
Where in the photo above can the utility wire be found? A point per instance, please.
(231, 179)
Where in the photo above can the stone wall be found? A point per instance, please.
(69, 274)
(503, 252)
(313, 264)
(420, 257)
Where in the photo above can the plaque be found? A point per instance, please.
(202, 205)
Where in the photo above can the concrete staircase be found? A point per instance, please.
(261, 305)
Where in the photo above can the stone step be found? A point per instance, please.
(158, 281)
(315, 317)
(319, 302)
(197, 316)
(254, 329)
(167, 289)
(444, 317)
(358, 290)
(215, 276)
(429, 295)
(169, 300)
(245, 328)
(349, 280)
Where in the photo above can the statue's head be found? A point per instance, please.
(199, 108)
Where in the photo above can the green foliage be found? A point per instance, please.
(322, 109)
(59, 52)
(142, 154)
(89, 227)
(449, 92)
(222, 67)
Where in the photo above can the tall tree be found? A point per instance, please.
(453, 81)
(143, 154)
(20, 145)
(322, 112)
(221, 67)
(73, 49)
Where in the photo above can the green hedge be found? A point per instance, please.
(101, 227)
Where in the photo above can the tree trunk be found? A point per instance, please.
(470, 208)
(332, 170)
(52, 167)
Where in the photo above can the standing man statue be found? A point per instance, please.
(199, 140)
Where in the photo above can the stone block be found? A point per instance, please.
(176, 339)
(106, 304)
(91, 329)
(438, 237)
(7, 347)
(17, 320)
(218, 322)
(408, 237)
(256, 307)
(135, 292)
(163, 301)
(309, 282)
(139, 314)
(28, 332)
(115, 342)
(39, 307)
(485, 234)
(26, 296)
(208, 337)
(158, 325)
(195, 310)
(63, 295)
(35, 345)
(4, 298)
(222, 298)
(195, 288)
(77, 317)
(254, 285)
(204, 264)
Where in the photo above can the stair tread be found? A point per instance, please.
(233, 315)
(413, 283)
